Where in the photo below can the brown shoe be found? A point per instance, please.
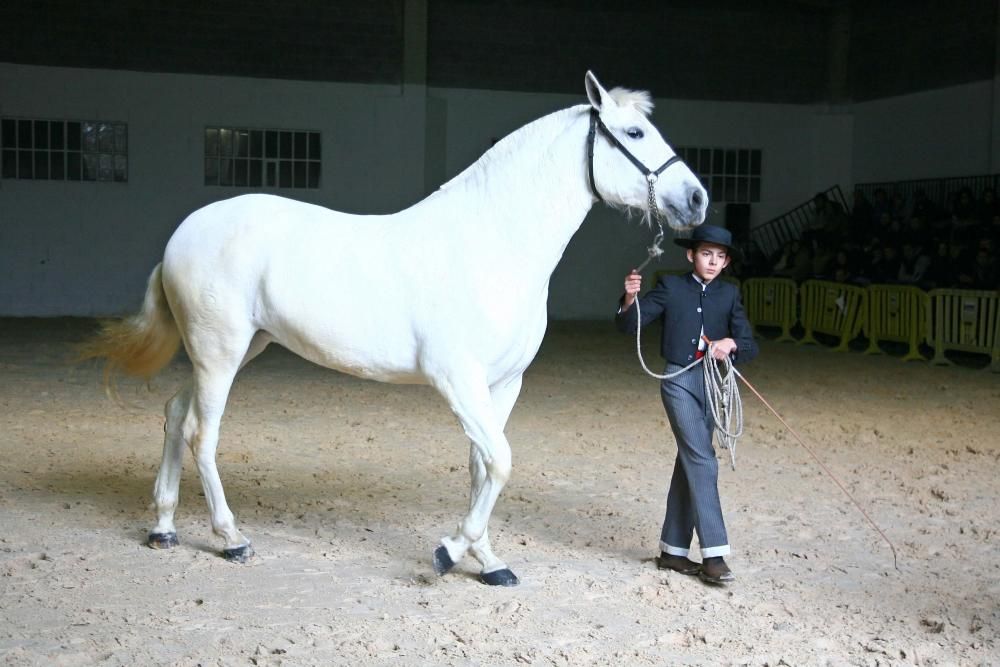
(680, 564)
(715, 571)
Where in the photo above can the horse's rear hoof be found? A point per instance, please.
(442, 561)
(502, 577)
(162, 540)
(238, 554)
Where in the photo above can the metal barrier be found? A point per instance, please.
(940, 191)
(771, 236)
(832, 308)
(896, 313)
(771, 302)
(966, 321)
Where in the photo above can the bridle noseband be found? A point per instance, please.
(651, 176)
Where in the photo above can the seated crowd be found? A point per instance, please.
(890, 240)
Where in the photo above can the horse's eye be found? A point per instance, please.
(634, 133)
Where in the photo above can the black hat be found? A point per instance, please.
(710, 234)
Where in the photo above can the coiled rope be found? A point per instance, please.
(721, 390)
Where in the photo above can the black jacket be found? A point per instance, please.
(684, 309)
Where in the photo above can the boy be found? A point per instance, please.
(692, 308)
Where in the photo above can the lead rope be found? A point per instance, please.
(721, 390)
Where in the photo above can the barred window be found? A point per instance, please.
(261, 158)
(64, 150)
(731, 175)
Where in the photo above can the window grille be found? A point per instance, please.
(731, 175)
(63, 150)
(261, 158)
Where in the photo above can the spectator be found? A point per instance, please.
(794, 261)
(988, 207)
(917, 231)
(965, 207)
(924, 208)
(913, 264)
(897, 206)
(828, 218)
(961, 262)
(753, 263)
(822, 256)
(880, 204)
(883, 264)
(939, 273)
(862, 217)
(887, 230)
(984, 269)
(843, 267)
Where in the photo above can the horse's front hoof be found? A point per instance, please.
(162, 540)
(238, 554)
(502, 577)
(442, 561)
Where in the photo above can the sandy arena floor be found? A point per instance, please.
(346, 486)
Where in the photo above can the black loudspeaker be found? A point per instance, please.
(738, 221)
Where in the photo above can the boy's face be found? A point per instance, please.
(709, 260)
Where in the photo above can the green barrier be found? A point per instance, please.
(896, 313)
(832, 308)
(966, 321)
(771, 302)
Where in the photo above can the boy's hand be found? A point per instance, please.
(633, 283)
(723, 348)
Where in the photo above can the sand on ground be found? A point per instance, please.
(346, 486)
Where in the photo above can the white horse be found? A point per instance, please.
(462, 306)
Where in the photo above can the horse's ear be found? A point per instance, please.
(595, 91)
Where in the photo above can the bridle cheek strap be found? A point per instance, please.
(595, 123)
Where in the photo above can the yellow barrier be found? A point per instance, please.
(967, 321)
(896, 313)
(832, 308)
(771, 302)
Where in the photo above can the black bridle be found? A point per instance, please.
(651, 175)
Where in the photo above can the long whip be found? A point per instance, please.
(895, 560)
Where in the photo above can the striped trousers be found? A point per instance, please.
(693, 504)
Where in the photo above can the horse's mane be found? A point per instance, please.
(640, 100)
(511, 143)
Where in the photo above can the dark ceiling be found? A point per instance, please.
(799, 51)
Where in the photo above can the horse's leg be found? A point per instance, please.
(504, 395)
(470, 400)
(168, 479)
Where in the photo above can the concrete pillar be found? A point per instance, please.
(839, 54)
(995, 103)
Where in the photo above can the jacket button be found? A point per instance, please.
(699, 309)
(690, 357)
(694, 340)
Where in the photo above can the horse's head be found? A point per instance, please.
(632, 166)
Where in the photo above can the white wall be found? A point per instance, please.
(938, 133)
(87, 248)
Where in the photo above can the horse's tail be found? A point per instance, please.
(142, 344)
